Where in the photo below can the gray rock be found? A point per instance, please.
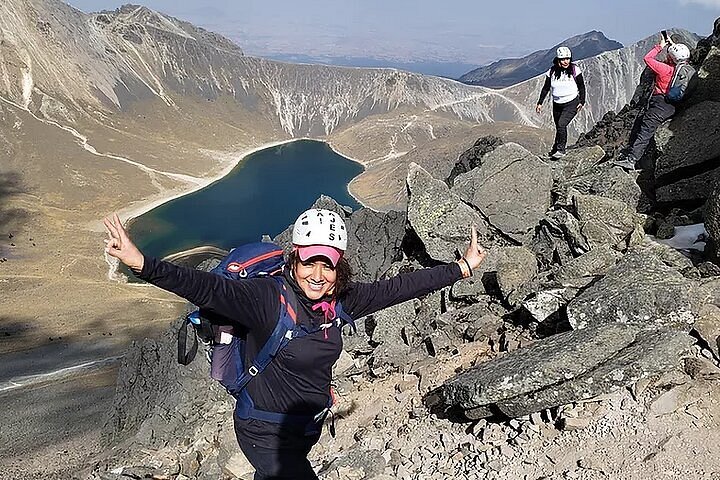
(439, 218)
(580, 161)
(471, 289)
(641, 289)
(605, 181)
(548, 302)
(571, 230)
(374, 242)
(669, 256)
(474, 322)
(511, 188)
(689, 145)
(515, 272)
(651, 353)
(708, 78)
(548, 361)
(708, 327)
(605, 221)
(580, 271)
(392, 351)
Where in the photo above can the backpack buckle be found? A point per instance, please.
(253, 371)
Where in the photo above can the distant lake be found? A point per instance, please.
(264, 194)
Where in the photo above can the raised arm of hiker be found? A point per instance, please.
(204, 289)
(120, 246)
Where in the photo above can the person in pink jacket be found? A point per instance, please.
(659, 109)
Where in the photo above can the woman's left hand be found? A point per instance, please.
(580, 106)
(475, 253)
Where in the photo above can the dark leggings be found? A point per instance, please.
(658, 111)
(274, 463)
(563, 113)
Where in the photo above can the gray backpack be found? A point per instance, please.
(682, 84)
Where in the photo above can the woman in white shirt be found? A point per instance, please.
(565, 82)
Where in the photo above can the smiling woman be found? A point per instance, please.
(279, 414)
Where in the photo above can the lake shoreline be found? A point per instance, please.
(227, 164)
(144, 206)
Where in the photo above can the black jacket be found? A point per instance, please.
(298, 380)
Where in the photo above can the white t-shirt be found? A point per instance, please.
(563, 89)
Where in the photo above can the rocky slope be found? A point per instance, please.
(506, 72)
(121, 110)
(584, 347)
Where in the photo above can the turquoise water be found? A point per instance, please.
(263, 195)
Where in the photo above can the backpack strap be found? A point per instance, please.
(284, 331)
(282, 334)
(344, 318)
(185, 356)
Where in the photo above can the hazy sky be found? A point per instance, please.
(461, 30)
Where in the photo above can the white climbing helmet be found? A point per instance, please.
(679, 52)
(320, 232)
(563, 52)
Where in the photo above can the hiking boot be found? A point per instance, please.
(558, 154)
(626, 162)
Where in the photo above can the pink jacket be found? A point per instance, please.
(663, 71)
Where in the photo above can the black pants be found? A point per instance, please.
(278, 463)
(658, 111)
(275, 464)
(563, 113)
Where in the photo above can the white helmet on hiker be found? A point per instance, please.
(679, 52)
(320, 232)
(563, 52)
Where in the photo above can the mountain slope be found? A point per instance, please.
(506, 72)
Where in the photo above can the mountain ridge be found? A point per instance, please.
(507, 72)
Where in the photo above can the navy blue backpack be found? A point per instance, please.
(228, 365)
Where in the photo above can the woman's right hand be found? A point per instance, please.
(120, 246)
(538, 108)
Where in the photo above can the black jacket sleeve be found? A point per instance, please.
(545, 90)
(245, 302)
(365, 298)
(580, 81)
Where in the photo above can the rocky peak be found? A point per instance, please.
(508, 72)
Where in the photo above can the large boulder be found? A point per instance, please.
(640, 289)
(472, 157)
(587, 268)
(561, 369)
(604, 221)
(689, 147)
(511, 188)
(515, 272)
(439, 218)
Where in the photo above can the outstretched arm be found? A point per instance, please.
(660, 68)
(366, 298)
(243, 302)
